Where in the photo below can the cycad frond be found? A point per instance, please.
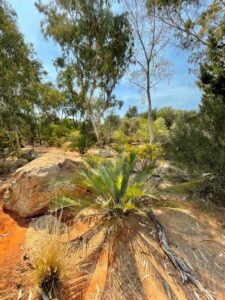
(114, 186)
(108, 180)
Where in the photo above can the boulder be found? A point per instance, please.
(106, 152)
(33, 186)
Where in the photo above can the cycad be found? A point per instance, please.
(115, 188)
(117, 191)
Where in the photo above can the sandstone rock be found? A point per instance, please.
(106, 152)
(32, 187)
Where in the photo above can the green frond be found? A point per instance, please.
(133, 192)
(63, 202)
(114, 185)
(129, 206)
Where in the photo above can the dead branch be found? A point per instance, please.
(180, 265)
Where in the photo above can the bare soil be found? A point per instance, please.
(127, 263)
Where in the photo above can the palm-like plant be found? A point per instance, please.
(116, 191)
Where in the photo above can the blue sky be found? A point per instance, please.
(181, 91)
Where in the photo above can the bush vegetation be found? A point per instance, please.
(79, 111)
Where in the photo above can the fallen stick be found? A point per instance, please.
(184, 270)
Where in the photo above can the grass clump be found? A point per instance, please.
(51, 258)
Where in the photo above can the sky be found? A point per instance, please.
(181, 91)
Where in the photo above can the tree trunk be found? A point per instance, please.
(17, 138)
(38, 133)
(150, 120)
(96, 131)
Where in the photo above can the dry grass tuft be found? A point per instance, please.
(51, 258)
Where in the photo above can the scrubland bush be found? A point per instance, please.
(193, 148)
(146, 154)
(190, 147)
(94, 160)
(135, 131)
(161, 131)
(56, 134)
(111, 124)
(120, 140)
(169, 114)
(129, 126)
(143, 130)
(8, 144)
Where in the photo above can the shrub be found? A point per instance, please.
(111, 123)
(120, 140)
(146, 154)
(58, 135)
(7, 144)
(94, 160)
(191, 147)
(84, 142)
(161, 131)
(143, 132)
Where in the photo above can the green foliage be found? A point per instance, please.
(212, 83)
(120, 140)
(146, 154)
(132, 112)
(20, 75)
(84, 142)
(114, 188)
(169, 114)
(142, 133)
(189, 147)
(160, 131)
(129, 127)
(94, 160)
(198, 141)
(58, 134)
(185, 188)
(50, 100)
(8, 144)
(96, 51)
(111, 124)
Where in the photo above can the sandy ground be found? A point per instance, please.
(12, 266)
(135, 269)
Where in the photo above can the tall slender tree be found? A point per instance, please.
(96, 49)
(150, 40)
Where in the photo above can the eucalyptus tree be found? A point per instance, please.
(190, 21)
(150, 40)
(20, 72)
(96, 49)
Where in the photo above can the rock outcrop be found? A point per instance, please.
(106, 152)
(32, 187)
